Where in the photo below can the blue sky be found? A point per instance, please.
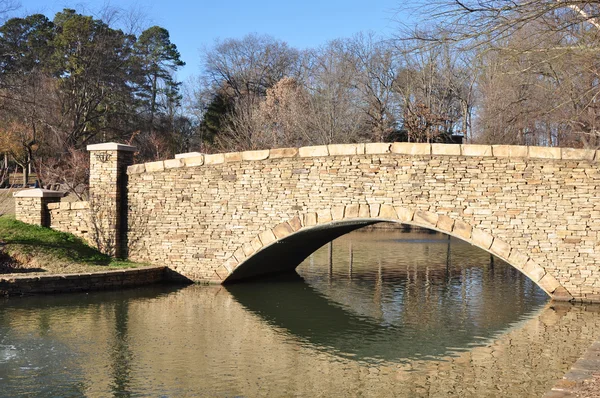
(194, 25)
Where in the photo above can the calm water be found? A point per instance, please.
(379, 314)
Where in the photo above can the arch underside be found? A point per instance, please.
(294, 248)
(299, 245)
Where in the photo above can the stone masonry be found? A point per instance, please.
(536, 208)
(207, 216)
(108, 187)
(31, 205)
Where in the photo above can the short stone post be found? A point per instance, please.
(31, 205)
(108, 196)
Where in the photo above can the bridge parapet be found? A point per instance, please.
(402, 148)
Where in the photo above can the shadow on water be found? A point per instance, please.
(288, 302)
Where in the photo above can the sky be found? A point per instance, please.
(194, 25)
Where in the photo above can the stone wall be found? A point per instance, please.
(72, 217)
(41, 284)
(537, 208)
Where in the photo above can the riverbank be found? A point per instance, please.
(32, 250)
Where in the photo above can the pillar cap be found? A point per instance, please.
(38, 193)
(111, 146)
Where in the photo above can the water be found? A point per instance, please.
(393, 314)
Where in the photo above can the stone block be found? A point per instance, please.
(517, 259)
(500, 249)
(282, 230)
(476, 150)
(267, 237)
(510, 151)
(80, 205)
(324, 216)
(256, 244)
(233, 157)
(533, 271)
(231, 264)
(136, 169)
(445, 223)
(346, 149)
(153, 167)
(388, 212)
(188, 155)
(65, 205)
(374, 210)
(404, 214)
(549, 283)
(351, 211)
(53, 206)
(376, 148)
(313, 151)
(215, 158)
(425, 218)
(310, 219)
(279, 153)
(481, 238)
(462, 230)
(577, 154)
(295, 223)
(542, 152)
(194, 161)
(222, 272)
(248, 249)
(239, 255)
(561, 294)
(364, 211)
(337, 212)
(255, 155)
(173, 163)
(409, 148)
(445, 149)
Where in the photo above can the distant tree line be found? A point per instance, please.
(491, 71)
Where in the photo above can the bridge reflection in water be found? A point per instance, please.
(394, 296)
(331, 333)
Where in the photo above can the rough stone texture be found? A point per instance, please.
(545, 210)
(378, 147)
(50, 284)
(544, 152)
(279, 153)
(445, 149)
(510, 151)
(346, 149)
(73, 217)
(216, 158)
(108, 187)
(407, 148)
(174, 163)
(312, 151)
(34, 210)
(255, 155)
(577, 154)
(476, 150)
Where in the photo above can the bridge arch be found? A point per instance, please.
(303, 234)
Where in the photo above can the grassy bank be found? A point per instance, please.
(30, 249)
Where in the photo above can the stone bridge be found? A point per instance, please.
(225, 217)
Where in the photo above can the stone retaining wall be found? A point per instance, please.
(43, 284)
(72, 217)
(537, 208)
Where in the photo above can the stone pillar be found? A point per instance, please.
(31, 205)
(108, 196)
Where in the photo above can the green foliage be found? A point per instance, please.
(25, 43)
